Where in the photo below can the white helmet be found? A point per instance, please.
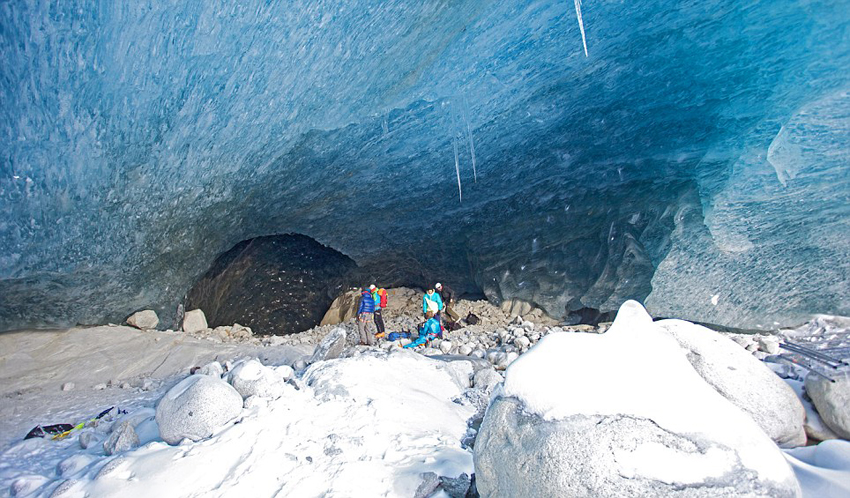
(438, 285)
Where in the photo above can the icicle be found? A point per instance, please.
(469, 135)
(454, 146)
(581, 25)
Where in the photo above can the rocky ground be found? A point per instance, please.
(502, 334)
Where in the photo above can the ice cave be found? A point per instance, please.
(691, 155)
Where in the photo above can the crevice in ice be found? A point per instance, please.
(581, 25)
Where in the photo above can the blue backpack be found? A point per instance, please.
(394, 336)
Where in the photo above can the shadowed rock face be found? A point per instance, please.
(279, 284)
(696, 160)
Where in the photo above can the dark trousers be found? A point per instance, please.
(379, 319)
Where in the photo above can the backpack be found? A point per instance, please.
(383, 295)
(394, 336)
(472, 319)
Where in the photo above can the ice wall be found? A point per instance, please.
(696, 158)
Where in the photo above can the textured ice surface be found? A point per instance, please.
(700, 149)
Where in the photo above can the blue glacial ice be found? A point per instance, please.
(693, 155)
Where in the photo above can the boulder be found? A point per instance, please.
(195, 407)
(194, 321)
(486, 379)
(252, 378)
(742, 379)
(342, 309)
(330, 347)
(213, 369)
(832, 400)
(430, 483)
(123, 438)
(87, 438)
(455, 487)
(145, 319)
(568, 424)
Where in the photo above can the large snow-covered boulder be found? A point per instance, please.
(621, 414)
(742, 379)
(832, 400)
(195, 407)
(252, 378)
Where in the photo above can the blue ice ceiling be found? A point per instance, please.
(698, 158)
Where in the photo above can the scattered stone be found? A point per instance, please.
(194, 321)
(486, 380)
(145, 319)
(455, 487)
(213, 369)
(195, 407)
(430, 483)
(87, 438)
(832, 401)
(768, 344)
(123, 438)
(252, 378)
(445, 346)
(99, 387)
(68, 386)
(330, 347)
(285, 372)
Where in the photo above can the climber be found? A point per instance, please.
(432, 302)
(364, 316)
(380, 298)
(448, 297)
(429, 331)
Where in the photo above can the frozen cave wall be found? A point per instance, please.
(696, 159)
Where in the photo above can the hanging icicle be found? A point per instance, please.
(469, 136)
(581, 25)
(454, 146)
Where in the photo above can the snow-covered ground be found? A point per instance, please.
(368, 424)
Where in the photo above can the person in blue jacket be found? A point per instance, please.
(432, 302)
(430, 331)
(364, 317)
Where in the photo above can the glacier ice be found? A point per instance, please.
(702, 151)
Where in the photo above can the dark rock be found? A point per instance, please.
(278, 284)
(455, 487)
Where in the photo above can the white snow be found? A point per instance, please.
(677, 399)
(366, 425)
(823, 470)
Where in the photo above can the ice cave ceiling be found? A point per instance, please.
(697, 159)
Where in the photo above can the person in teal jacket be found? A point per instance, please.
(430, 331)
(432, 302)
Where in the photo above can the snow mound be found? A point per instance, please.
(195, 407)
(575, 424)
